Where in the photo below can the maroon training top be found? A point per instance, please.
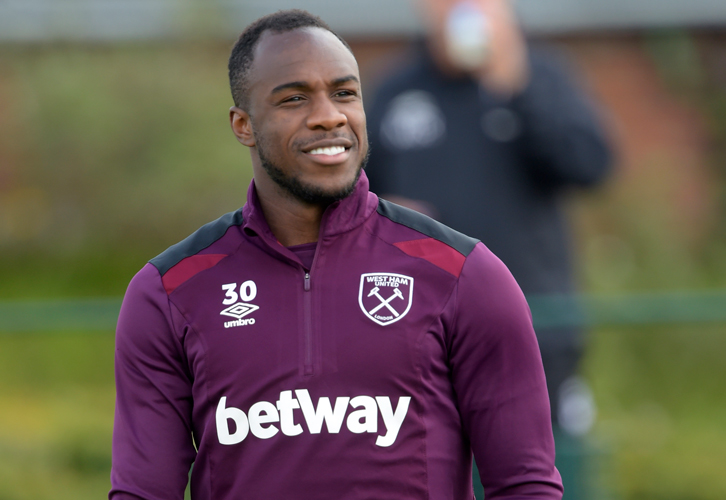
(372, 375)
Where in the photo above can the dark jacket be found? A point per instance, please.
(492, 168)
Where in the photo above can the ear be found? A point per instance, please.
(241, 125)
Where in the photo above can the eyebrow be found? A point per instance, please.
(345, 79)
(304, 85)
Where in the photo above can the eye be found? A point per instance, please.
(292, 99)
(345, 93)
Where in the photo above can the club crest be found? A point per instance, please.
(385, 297)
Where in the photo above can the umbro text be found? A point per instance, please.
(239, 322)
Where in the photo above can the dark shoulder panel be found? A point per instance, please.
(426, 225)
(196, 242)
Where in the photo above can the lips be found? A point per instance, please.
(329, 151)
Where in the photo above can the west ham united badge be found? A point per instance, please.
(385, 297)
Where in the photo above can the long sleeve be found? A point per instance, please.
(562, 135)
(152, 439)
(499, 382)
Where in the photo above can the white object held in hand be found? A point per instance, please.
(468, 36)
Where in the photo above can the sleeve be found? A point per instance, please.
(500, 383)
(562, 136)
(153, 448)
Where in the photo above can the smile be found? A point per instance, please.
(335, 150)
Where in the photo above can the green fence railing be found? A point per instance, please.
(548, 311)
(629, 308)
(59, 315)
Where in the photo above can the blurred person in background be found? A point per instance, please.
(485, 134)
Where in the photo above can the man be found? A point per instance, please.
(487, 135)
(319, 343)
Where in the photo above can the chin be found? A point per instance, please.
(328, 192)
(321, 186)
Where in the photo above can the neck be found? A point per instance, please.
(292, 221)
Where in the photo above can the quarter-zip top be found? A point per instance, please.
(375, 374)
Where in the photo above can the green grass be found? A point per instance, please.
(57, 399)
(662, 409)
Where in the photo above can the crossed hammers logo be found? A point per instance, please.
(385, 302)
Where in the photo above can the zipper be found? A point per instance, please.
(308, 325)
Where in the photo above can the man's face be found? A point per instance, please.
(307, 116)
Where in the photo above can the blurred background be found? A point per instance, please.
(115, 144)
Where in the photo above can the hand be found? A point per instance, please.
(507, 71)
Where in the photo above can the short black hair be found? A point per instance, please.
(242, 56)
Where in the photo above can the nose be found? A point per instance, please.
(324, 114)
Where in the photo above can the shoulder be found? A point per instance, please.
(427, 226)
(420, 236)
(199, 251)
(202, 238)
(489, 295)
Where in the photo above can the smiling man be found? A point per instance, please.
(320, 343)
(302, 118)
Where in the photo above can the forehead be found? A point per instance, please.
(306, 54)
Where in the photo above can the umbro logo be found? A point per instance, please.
(238, 310)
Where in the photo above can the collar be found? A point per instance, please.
(340, 217)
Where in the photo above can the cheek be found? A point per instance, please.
(358, 124)
(282, 133)
(356, 118)
(269, 139)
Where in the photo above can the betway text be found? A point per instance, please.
(265, 420)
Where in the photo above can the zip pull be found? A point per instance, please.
(307, 282)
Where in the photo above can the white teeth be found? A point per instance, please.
(335, 150)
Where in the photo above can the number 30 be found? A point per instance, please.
(247, 292)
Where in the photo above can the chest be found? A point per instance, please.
(353, 324)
